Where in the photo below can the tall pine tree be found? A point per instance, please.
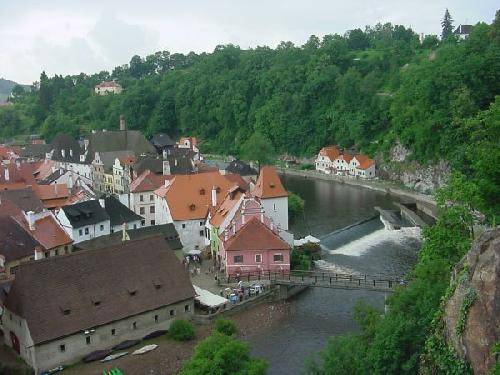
(447, 25)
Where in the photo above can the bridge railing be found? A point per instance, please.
(318, 277)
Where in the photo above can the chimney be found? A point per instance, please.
(272, 226)
(214, 196)
(63, 153)
(122, 123)
(55, 189)
(102, 203)
(31, 220)
(7, 178)
(38, 253)
(166, 168)
(71, 152)
(125, 236)
(167, 182)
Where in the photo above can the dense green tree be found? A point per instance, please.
(223, 355)
(258, 148)
(446, 25)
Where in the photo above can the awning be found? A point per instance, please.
(207, 298)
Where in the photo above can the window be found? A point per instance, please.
(201, 223)
(183, 226)
(134, 325)
(62, 348)
(238, 259)
(156, 318)
(101, 227)
(143, 222)
(86, 230)
(46, 254)
(66, 311)
(186, 308)
(113, 332)
(172, 312)
(152, 209)
(153, 222)
(142, 211)
(135, 226)
(274, 206)
(151, 197)
(202, 233)
(56, 252)
(258, 258)
(278, 257)
(80, 232)
(87, 340)
(141, 198)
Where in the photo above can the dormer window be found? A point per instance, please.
(202, 191)
(66, 311)
(132, 291)
(192, 207)
(271, 184)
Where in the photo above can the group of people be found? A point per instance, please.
(192, 263)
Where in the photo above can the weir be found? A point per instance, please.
(410, 215)
(389, 218)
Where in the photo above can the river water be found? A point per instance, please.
(366, 248)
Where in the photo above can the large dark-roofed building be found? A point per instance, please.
(60, 309)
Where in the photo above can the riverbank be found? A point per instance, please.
(170, 355)
(425, 202)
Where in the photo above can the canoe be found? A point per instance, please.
(96, 356)
(145, 349)
(125, 344)
(113, 356)
(154, 334)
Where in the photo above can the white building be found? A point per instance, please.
(85, 220)
(186, 200)
(110, 87)
(326, 157)
(362, 166)
(273, 196)
(141, 198)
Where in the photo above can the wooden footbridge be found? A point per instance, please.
(322, 279)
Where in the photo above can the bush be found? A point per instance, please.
(181, 330)
(295, 205)
(223, 355)
(225, 326)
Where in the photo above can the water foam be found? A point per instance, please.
(361, 245)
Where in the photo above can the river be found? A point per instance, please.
(369, 247)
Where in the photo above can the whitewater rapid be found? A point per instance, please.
(369, 242)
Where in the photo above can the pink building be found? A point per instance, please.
(251, 244)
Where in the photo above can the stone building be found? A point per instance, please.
(63, 308)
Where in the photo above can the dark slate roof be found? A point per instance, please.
(106, 141)
(64, 295)
(167, 231)
(463, 30)
(85, 213)
(180, 164)
(24, 199)
(67, 143)
(162, 140)
(36, 151)
(15, 242)
(186, 152)
(51, 177)
(155, 165)
(118, 212)
(108, 157)
(241, 168)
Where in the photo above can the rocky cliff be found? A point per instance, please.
(472, 314)
(399, 167)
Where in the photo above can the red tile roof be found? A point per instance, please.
(332, 152)
(269, 184)
(189, 197)
(254, 235)
(20, 173)
(220, 213)
(47, 232)
(148, 181)
(364, 161)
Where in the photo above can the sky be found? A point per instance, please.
(69, 37)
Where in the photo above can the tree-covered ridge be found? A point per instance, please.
(365, 88)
